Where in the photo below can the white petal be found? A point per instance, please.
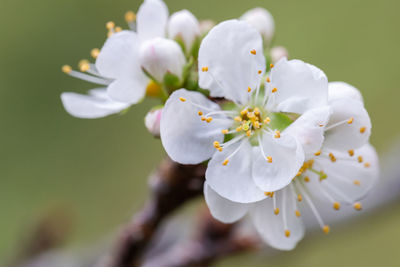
(159, 56)
(287, 157)
(300, 86)
(223, 209)
(152, 19)
(95, 105)
(183, 24)
(262, 20)
(118, 59)
(347, 179)
(309, 129)
(347, 136)
(271, 227)
(232, 68)
(186, 138)
(339, 90)
(234, 181)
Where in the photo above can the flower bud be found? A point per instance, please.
(152, 121)
(263, 21)
(160, 56)
(206, 26)
(277, 53)
(184, 26)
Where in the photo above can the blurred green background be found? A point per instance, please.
(97, 169)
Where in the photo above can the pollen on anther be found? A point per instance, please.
(254, 52)
(225, 162)
(238, 119)
(84, 65)
(238, 129)
(216, 144)
(118, 29)
(357, 206)
(267, 120)
(66, 69)
(200, 113)
(277, 134)
(268, 80)
(306, 179)
(350, 121)
(298, 214)
(274, 90)
(336, 205)
(317, 153)
(203, 118)
(276, 211)
(332, 157)
(269, 159)
(130, 16)
(351, 152)
(271, 66)
(209, 119)
(204, 69)
(326, 229)
(249, 89)
(225, 131)
(95, 52)
(299, 197)
(287, 233)
(356, 182)
(367, 164)
(110, 25)
(182, 99)
(248, 133)
(360, 159)
(363, 129)
(260, 71)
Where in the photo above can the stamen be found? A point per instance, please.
(367, 164)
(317, 153)
(238, 119)
(357, 206)
(337, 124)
(233, 153)
(66, 69)
(326, 229)
(130, 16)
(269, 159)
(299, 197)
(83, 76)
(298, 214)
(356, 182)
(268, 80)
(360, 159)
(350, 121)
(182, 99)
(84, 65)
(332, 157)
(209, 119)
(271, 66)
(95, 52)
(249, 89)
(238, 129)
(267, 120)
(363, 129)
(225, 131)
(351, 152)
(204, 69)
(248, 133)
(200, 113)
(254, 52)
(313, 209)
(260, 71)
(110, 25)
(306, 179)
(277, 134)
(287, 233)
(276, 211)
(225, 162)
(336, 205)
(274, 90)
(118, 29)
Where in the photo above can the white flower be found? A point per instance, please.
(152, 121)
(119, 63)
(277, 53)
(263, 21)
(184, 26)
(194, 129)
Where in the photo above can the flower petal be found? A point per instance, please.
(287, 156)
(223, 209)
(186, 138)
(349, 125)
(309, 129)
(348, 180)
(152, 19)
(118, 59)
(271, 227)
(95, 105)
(339, 90)
(300, 86)
(234, 181)
(233, 54)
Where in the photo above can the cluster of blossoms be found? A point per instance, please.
(275, 134)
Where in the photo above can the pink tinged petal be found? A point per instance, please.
(233, 54)
(309, 129)
(152, 19)
(274, 228)
(119, 60)
(95, 105)
(223, 209)
(280, 163)
(299, 86)
(262, 21)
(338, 90)
(233, 181)
(184, 25)
(185, 137)
(349, 126)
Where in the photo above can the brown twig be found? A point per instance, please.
(171, 185)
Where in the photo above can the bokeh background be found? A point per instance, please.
(94, 171)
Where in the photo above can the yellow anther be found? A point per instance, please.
(254, 52)
(256, 124)
(274, 90)
(276, 211)
(238, 119)
(332, 157)
(182, 99)
(245, 127)
(257, 111)
(238, 129)
(269, 159)
(130, 16)
(118, 29)
(267, 120)
(363, 129)
(268, 80)
(249, 89)
(251, 115)
(204, 69)
(243, 112)
(95, 52)
(277, 134)
(306, 179)
(357, 206)
(110, 33)
(367, 164)
(209, 119)
(220, 149)
(84, 65)
(271, 65)
(272, 194)
(200, 113)
(350, 121)
(268, 194)
(248, 133)
(225, 162)
(299, 173)
(203, 118)
(351, 152)
(298, 214)
(317, 153)
(225, 131)
(299, 197)
(216, 144)
(336, 205)
(66, 69)
(287, 233)
(153, 89)
(326, 229)
(110, 25)
(260, 71)
(356, 182)
(360, 159)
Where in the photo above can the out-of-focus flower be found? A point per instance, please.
(283, 124)
(277, 53)
(206, 26)
(263, 21)
(152, 121)
(183, 26)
